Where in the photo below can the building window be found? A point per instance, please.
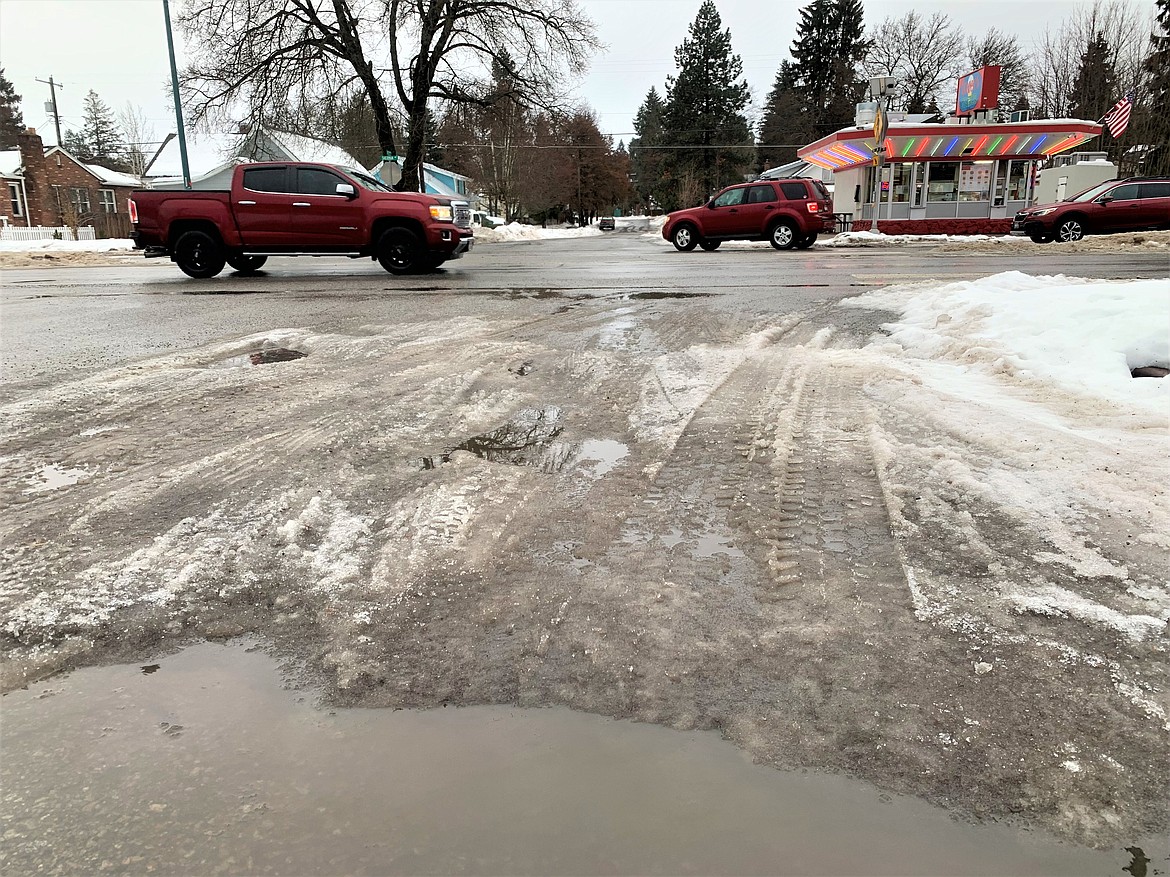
(899, 186)
(107, 200)
(944, 181)
(975, 181)
(14, 197)
(79, 198)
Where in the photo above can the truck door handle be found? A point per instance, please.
(301, 204)
(246, 203)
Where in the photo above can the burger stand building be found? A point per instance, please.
(967, 175)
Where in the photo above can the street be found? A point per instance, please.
(596, 473)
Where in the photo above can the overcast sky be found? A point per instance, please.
(118, 48)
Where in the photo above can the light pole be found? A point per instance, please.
(178, 103)
(879, 88)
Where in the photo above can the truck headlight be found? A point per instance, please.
(441, 212)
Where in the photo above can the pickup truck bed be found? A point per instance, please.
(295, 209)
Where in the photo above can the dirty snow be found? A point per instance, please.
(109, 245)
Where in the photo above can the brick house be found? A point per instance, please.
(50, 187)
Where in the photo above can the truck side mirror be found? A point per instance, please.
(346, 189)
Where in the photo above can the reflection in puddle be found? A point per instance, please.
(711, 544)
(525, 440)
(52, 477)
(212, 766)
(603, 454)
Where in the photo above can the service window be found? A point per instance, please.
(317, 181)
(730, 198)
(760, 194)
(944, 181)
(266, 179)
(1155, 190)
(1123, 193)
(794, 191)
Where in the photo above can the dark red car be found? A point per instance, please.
(786, 213)
(1135, 204)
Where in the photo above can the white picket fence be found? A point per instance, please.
(45, 233)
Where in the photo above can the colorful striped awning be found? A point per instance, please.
(853, 147)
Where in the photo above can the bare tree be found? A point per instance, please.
(925, 55)
(1124, 25)
(1002, 50)
(139, 138)
(296, 56)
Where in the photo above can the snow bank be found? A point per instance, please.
(515, 231)
(54, 246)
(1080, 336)
(876, 239)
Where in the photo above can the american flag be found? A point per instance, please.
(1118, 117)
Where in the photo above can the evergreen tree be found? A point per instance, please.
(1094, 89)
(646, 158)
(704, 110)
(11, 119)
(789, 120)
(827, 51)
(1153, 123)
(100, 140)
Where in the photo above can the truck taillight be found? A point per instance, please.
(133, 212)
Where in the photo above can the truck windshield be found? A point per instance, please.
(366, 181)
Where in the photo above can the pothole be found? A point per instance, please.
(528, 439)
(660, 294)
(266, 356)
(1149, 371)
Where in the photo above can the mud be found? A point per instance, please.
(748, 529)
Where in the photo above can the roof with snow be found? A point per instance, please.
(113, 178)
(308, 149)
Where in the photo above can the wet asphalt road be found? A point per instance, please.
(65, 322)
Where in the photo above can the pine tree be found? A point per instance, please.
(646, 158)
(827, 51)
(11, 119)
(789, 120)
(1094, 90)
(1154, 121)
(704, 108)
(100, 140)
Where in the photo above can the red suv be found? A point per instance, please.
(1135, 204)
(786, 213)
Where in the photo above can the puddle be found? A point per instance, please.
(525, 440)
(663, 294)
(1149, 371)
(262, 357)
(711, 544)
(603, 454)
(52, 477)
(209, 764)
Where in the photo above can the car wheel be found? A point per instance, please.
(1069, 230)
(782, 236)
(400, 251)
(807, 241)
(246, 264)
(198, 254)
(710, 246)
(1039, 237)
(684, 238)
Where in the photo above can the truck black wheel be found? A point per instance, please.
(709, 245)
(198, 254)
(246, 264)
(807, 241)
(400, 251)
(782, 235)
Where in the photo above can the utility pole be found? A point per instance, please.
(53, 86)
(880, 87)
(178, 103)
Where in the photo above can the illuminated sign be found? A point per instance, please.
(978, 90)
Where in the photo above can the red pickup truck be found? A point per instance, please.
(292, 209)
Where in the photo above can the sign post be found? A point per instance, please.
(880, 126)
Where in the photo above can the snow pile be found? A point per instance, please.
(877, 239)
(1078, 335)
(109, 245)
(515, 231)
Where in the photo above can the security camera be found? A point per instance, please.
(882, 86)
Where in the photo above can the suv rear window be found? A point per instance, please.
(794, 191)
(821, 190)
